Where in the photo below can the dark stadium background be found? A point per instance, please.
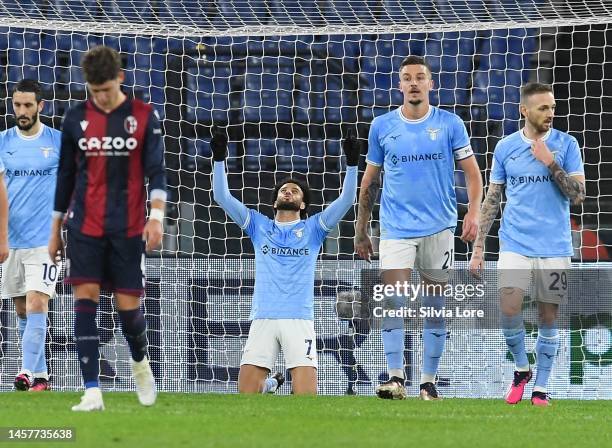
(336, 82)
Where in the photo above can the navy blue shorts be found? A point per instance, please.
(115, 263)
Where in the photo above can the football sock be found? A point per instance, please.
(134, 328)
(434, 338)
(87, 341)
(393, 338)
(33, 342)
(546, 349)
(21, 326)
(514, 332)
(41, 365)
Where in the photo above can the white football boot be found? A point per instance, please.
(90, 401)
(145, 382)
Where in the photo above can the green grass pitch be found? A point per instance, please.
(202, 420)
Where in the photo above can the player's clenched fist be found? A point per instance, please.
(218, 144)
(352, 148)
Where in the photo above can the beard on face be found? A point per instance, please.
(283, 204)
(415, 102)
(30, 123)
(542, 126)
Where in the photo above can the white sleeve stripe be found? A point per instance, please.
(246, 221)
(373, 163)
(498, 182)
(327, 229)
(576, 173)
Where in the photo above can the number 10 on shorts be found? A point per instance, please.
(49, 272)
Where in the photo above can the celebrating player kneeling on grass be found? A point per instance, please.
(30, 153)
(542, 171)
(286, 251)
(110, 144)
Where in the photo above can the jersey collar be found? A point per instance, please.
(288, 223)
(30, 137)
(528, 140)
(408, 120)
(119, 106)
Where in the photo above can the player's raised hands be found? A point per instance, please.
(541, 152)
(218, 144)
(352, 148)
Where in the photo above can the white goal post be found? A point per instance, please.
(287, 78)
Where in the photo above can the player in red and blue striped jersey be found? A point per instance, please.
(111, 146)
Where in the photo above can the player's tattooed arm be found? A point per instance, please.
(367, 197)
(571, 186)
(488, 212)
(370, 185)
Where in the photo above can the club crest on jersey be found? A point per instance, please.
(299, 233)
(130, 124)
(46, 150)
(433, 133)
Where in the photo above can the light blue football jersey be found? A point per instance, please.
(30, 173)
(418, 158)
(536, 219)
(285, 260)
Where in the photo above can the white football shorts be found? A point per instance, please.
(549, 275)
(432, 255)
(296, 338)
(29, 270)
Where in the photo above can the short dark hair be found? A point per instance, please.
(533, 88)
(101, 64)
(30, 86)
(305, 193)
(415, 60)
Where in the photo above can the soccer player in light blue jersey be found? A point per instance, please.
(30, 153)
(4, 245)
(418, 146)
(541, 170)
(286, 251)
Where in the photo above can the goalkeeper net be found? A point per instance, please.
(287, 79)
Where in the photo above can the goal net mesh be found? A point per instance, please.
(287, 79)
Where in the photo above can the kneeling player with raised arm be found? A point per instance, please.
(286, 251)
(541, 170)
